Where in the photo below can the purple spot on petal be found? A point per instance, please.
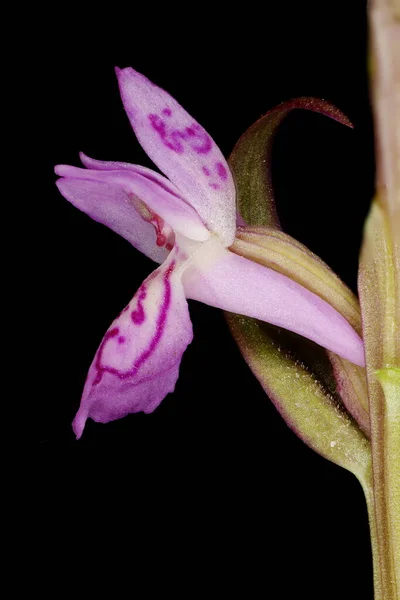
(204, 139)
(214, 186)
(138, 315)
(193, 135)
(121, 339)
(222, 172)
(175, 144)
(170, 140)
(158, 124)
(206, 171)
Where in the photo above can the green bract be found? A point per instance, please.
(322, 397)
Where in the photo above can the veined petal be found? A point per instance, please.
(183, 150)
(233, 283)
(137, 363)
(165, 204)
(111, 206)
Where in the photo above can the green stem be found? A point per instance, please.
(382, 490)
(389, 379)
(384, 557)
(382, 260)
(376, 554)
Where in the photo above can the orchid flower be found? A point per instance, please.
(185, 222)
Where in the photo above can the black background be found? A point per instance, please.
(212, 491)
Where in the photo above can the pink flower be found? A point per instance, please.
(186, 224)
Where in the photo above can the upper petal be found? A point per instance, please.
(183, 150)
(163, 201)
(137, 363)
(223, 279)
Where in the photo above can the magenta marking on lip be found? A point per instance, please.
(110, 334)
(222, 172)
(214, 186)
(159, 330)
(121, 339)
(98, 378)
(162, 317)
(206, 171)
(138, 315)
(167, 112)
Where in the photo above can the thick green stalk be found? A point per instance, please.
(390, 382)
(373, 528)
(379, 287)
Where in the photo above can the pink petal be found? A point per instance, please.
(104, 165)
(183, 150)
(171, 208)
(137, 363)
(233, 283)
(110, 205)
